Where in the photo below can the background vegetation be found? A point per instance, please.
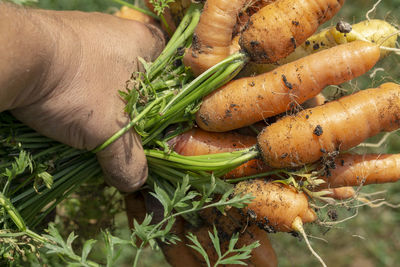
(370, 239)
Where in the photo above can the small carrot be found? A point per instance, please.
(198, 142)
(277, 29)
(341, 193)
(278, 206)
(213, 35)
(275, 206)
(317, 100)
(132, 14)
(356, 170)
(247, 100)
(335, 126)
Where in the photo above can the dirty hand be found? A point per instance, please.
(60, 73)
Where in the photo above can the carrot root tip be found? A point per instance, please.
(297, 225)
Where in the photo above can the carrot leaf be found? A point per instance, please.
(231, 256)
(198, 247)
(160, 5)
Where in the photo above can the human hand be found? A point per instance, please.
(61, 72)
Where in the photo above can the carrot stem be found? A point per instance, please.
(264, 174)
(182, 33)
(165, 23)
(232, 159)
(127, 127)
(204, 76)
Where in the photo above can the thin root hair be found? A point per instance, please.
(372, 9)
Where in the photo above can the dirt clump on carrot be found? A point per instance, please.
(277, 29)
(275, 205)
(249, 8)
(278, 207)
(345, 123)
(356, 170)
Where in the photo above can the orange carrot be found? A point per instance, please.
(247, 100)
(279, 207)
(198, 142)
(213, 35)
(341, 193)
(247, 11)
(335, 126)
(355, 170)
(262, 256)
(375, 31)
(317, 100)
(277, 29)
(132, 14)
(275, 206)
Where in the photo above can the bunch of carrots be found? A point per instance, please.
(276, 112)
(246, 109)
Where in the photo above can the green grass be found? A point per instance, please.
(84, 5)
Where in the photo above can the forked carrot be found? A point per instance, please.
(213, 35)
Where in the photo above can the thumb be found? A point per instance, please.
(124, 163)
